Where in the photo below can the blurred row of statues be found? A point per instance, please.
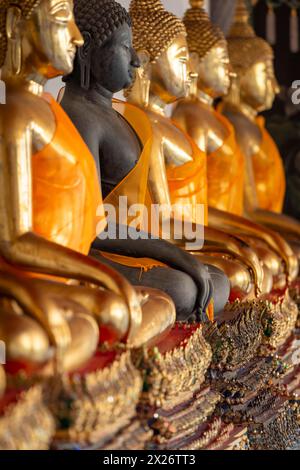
(77, 303)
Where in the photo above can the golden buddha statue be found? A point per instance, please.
(177, 171)
(253, 89)
(49, 205)
(215, 136)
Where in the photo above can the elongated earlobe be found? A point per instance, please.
(144, 76)
(193, 75)
(235, 92)
(84, 58)
(13, 19)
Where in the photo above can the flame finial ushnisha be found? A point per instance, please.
(245, 48)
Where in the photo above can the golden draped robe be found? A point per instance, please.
(65, 186)
(268, 172)
(226, 173)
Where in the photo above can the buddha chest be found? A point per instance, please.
(119, 150)
(171, 139)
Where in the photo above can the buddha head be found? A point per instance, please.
(107, 59)
(208, 51)
(251, 59)
(160, 37)
(38, 38)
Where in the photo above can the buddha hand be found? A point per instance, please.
(290, 259)
(37, 303)
(69, 321)
(202, 279)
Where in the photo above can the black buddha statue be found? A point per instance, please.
(103, 66)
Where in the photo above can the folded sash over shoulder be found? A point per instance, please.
(135, 185)
(226, 173)
(269, 172)
(188, 182)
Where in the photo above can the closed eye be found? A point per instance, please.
(61, 12)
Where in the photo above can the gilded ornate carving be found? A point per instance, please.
(27, 424)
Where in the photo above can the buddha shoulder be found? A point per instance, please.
(185, 113)
(24, 111)
(247, 132)
(171, 139)
(92, 123)
(200, 121)
(193, 113)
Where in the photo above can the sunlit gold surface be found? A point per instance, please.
(259, 87)
(154, 28)
(196, 114)
(2, 381)
(28, 424)
(238, 274)
(41, 45)
(25, 339)
(213, 72)
(152, 307)
(202, 34)
(272, 239)
(169, 74)
(245, 48)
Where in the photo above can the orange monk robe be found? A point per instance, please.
(226, 173)
(65, 188)
(188, 182)
(268, 172)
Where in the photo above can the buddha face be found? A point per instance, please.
(53, 37)
(113, 65)
(169, 74)
(259, 86)
(213, 72)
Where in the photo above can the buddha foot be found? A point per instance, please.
(25, 421)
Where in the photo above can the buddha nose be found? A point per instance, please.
(135, 61)
(276, 86)
(76, 35)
